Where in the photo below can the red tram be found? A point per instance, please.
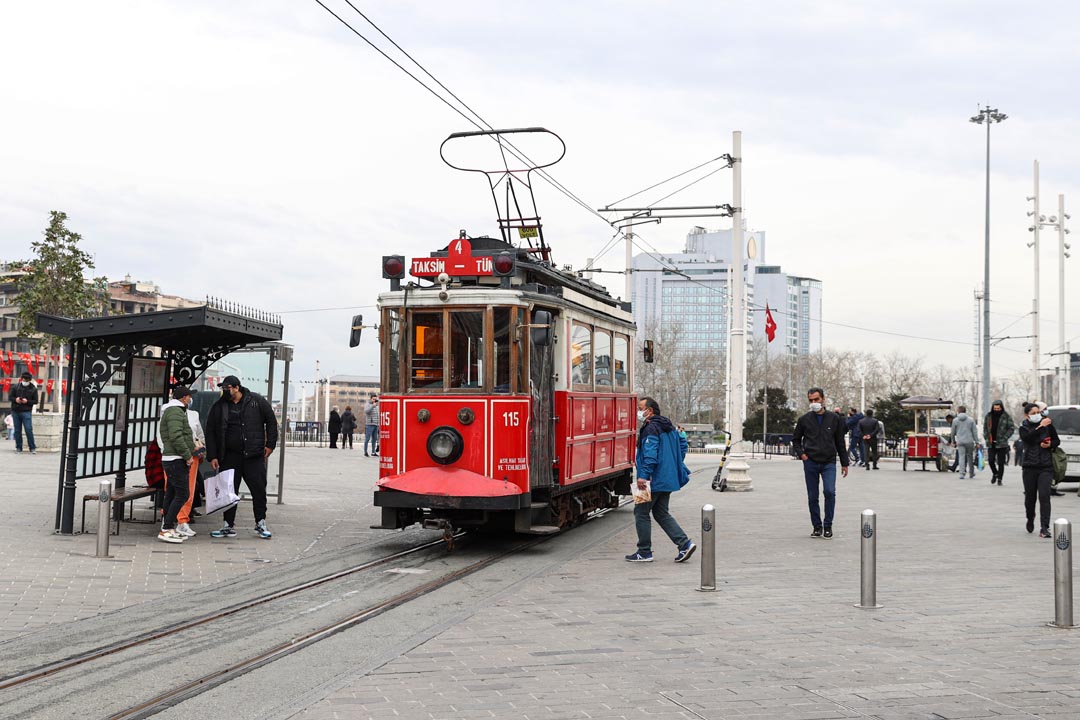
(507, 388)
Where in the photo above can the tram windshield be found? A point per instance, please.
(467, 349)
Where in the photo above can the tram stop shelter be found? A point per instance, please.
(116, 386)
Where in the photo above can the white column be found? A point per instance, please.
(629, 265)
(738, 469)
(1035, 301)
(1063, 360)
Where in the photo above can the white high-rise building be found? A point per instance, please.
(696, 298)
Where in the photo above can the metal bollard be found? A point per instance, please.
(1063, 587)
(104, 508)
(708, 548)
(869, 560)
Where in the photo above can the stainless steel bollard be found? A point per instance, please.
(104, 508)
(868, 528)
(1063, 587)
(708, 548)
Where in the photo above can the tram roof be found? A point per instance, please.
(186, 328)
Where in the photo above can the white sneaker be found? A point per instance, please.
(185, 530)
(170, 536)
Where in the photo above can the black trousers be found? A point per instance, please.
(176, 490)
(252, 471)
(346, 437)
(333, 439)
(999, 459)
(870, 456)
(1037, 484)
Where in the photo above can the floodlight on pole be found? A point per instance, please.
(987, 116)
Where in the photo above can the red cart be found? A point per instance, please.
(922, 445)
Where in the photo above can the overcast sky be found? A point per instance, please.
(262, 152)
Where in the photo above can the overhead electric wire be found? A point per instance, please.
(517, 153)
(664, 182)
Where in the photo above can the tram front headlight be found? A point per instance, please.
(445, 445)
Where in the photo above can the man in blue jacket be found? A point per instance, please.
(660, 454)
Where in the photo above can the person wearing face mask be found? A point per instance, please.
(660, 454)
(1040, 437)
(965, 433)
(818, 441)
(241, 432)
(998, 427)
(23, 397)
(177, 443)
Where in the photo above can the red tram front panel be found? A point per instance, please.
(495, 438)
(595, 436)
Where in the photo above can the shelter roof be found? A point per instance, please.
(925, 402)
(183, 329)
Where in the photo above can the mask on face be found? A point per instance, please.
(1035, 416)
(815, 407)
(26, 383)
(640, 416)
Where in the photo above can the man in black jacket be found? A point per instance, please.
(868, 432)
(24, 396)
(241, 432)
(818, 440)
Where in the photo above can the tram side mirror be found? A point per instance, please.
(647, 351)
(357, 326)
(541, 330)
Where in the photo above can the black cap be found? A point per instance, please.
(230, 380)
(180, 391)
(27, 376)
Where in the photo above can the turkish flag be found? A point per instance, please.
(770, 324)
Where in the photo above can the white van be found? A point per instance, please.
(1067, 421)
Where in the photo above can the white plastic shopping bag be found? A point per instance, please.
(220, 494)
(641, 496)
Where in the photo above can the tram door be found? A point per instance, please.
(542, 389)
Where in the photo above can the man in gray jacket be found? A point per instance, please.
(965, 433)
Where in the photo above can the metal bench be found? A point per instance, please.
(128, 495)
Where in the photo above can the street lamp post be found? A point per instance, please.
(987, 116)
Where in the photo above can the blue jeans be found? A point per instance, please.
(827, 472)
(24, 421)
(658, 508)
(370, 437)
(855, 447)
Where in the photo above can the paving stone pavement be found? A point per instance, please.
(966, 595)
(47, 578)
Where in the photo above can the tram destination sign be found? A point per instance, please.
(459, 262)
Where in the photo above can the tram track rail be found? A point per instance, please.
(197, 686)
(270, 651)
(49, 669)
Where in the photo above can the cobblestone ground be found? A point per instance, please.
(966, 595)
(47, 579)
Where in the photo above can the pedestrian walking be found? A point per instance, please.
(868, 431)
(334, 426)
(183, 517)
(660, 469)
(9, 426)
(371, 425)
(965, 435)
(818, 441)
(1040, 437)
(177, 455)
(241, 432)
(1018, 451)
(855, 443)
(998, 427)
(348, 427)
(23, 397)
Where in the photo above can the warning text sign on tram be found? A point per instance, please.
(458, 262)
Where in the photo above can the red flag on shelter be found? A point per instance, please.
(770, 324)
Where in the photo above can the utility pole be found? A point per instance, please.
(1064, 361)
(738, 469)
(987, 116)
(629, 265)
(1035, 227)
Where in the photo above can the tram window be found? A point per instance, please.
(392, 373)
(602, 353)
(502, 339)
(427, 350)
(581, 356)
(620, 357)
(467, 349)
(522, 353)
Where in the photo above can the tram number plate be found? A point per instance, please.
(511, 419)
